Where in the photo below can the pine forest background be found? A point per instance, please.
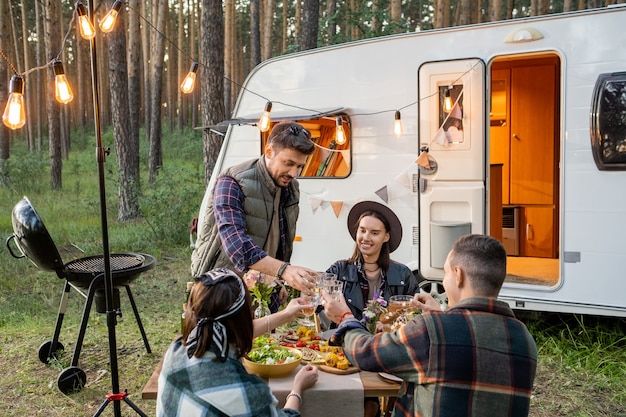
(142, 62)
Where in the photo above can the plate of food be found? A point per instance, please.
(389, 377)
(337, 363)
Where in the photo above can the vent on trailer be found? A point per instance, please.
(510, 230)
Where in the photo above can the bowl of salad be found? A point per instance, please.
(271, 361)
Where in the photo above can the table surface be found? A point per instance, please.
(373, 385)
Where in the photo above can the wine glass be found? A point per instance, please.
(333, 287)
(314, 299)
(399, 305)
(308, 312)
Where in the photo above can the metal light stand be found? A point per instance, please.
(115, 396)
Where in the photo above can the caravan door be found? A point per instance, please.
(452, 169)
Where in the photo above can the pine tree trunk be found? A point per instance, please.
(146, 41)
(155, 159)
(284, 35)
(41, 77)
(229, 52)
(53, 46)
(170, 72)
(29, 98)
(464, 14)
(134, 74)
(268, 26)
(213, 83)
(495, 13)
(194, 51)
(376, 25)
(181, 70)
(255, 34)
(126, 149)
(310, 24)
(396, 15)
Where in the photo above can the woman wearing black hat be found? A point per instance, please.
(370, 271)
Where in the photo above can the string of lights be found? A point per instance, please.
(14, 116)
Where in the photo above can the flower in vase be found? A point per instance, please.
(260, 286)
(375, 307)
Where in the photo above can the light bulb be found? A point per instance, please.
(189, 81)
(447, 101)
(340, 134)
(108, 22)
(86, 28)
(265, 121)
(397, 126)
(62, 90)
(14, 116)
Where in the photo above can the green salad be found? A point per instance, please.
(272, 355)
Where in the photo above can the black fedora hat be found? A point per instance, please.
(395, 227)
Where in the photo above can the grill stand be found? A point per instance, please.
(49, 350)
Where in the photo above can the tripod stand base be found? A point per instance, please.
(121, 396)
(71, 380)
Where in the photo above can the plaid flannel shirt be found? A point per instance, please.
(476, 359)
(204, 388)
(228, 203)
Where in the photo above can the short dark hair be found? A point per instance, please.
(483, 259)
(213, 300)
(291, 135)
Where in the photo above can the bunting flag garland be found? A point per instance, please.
(315, 203)
(423, 161)
(337, 205)
(383, 194)
(404, 179)
(400, 188)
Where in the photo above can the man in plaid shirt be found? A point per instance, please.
(250, 219)
(475, 359)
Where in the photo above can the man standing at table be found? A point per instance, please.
(250, 219)
(475, 359)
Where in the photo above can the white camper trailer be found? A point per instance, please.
(531, 148)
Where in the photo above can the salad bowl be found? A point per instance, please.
(272, 361)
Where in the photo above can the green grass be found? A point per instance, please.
(582, 364)
(29, 297)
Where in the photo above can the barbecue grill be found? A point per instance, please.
(33, 241)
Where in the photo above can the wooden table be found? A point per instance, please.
(373, 385)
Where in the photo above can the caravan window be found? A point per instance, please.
(608, 122)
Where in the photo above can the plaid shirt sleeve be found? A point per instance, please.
(228, 200)
(404, 352)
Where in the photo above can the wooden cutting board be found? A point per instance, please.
(337, 371)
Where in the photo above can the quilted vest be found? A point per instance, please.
(259, 188)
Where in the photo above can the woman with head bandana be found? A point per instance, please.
(202, 373)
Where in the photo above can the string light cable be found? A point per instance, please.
(196, 64)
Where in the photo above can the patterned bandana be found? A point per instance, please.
(219, 336)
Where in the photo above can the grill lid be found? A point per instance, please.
(33, 238)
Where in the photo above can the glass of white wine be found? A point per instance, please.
(315, 298)
(308, 313)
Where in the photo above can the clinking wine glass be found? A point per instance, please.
(308, 313)
(333, 287)
(314, 299)
(399, 306)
